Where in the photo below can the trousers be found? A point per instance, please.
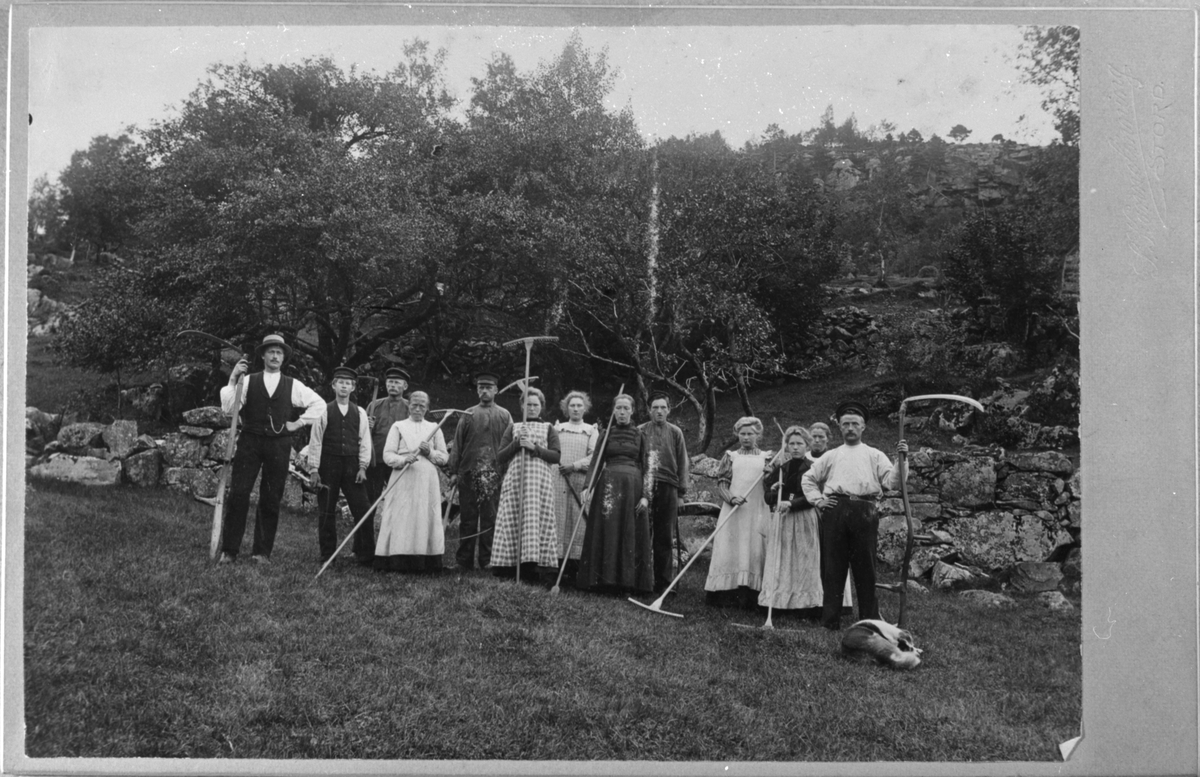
(664, 510)
(477, 513)
(849, 531)
(255, 453)
(338, 473)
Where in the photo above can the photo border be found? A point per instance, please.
(1138, 368)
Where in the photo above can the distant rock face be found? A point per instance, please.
(85, 470)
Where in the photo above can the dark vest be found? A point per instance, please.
(341, 432)
(266, 415)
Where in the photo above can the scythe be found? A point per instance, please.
(901, 588)
(218, 503)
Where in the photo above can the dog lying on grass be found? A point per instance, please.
(880, 640)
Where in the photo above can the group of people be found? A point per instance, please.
(541, 501)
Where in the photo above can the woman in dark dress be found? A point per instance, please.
(616, 546)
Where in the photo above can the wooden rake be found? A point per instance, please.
(598, 463)
(656, 605)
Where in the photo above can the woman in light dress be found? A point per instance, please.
(526, 525)
(735, 571)
(792, 572)
(410, 523)
(578, 442)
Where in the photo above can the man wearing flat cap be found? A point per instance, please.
(845, 484)
(264, 443)
(339, 452)
(476, 469)
(381, 414)
(668, 463)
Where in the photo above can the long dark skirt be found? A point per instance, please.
(616, 545)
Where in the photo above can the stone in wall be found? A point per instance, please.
(180, 450)
(121, 437)
(1041, 461)
(969, 484)
(209, 417)
(199, 432)
(143, 469)
(996, 539)
(1035, 487)
(218, 445)
(85, 470)
(198, 481)
(78, 438)
(1034, 576)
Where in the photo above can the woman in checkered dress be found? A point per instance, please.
(578, 441)
(526, 524)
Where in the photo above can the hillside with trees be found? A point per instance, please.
(365, 218)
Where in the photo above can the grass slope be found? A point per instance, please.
(135, 645)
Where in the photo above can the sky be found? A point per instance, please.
(89, 81)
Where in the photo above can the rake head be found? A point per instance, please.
(527, 341)
(656, 606)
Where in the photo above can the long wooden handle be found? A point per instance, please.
(218, 524)
(598, 462)
(371, 509)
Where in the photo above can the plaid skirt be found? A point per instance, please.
(527, 509)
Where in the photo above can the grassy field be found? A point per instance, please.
(135, 645)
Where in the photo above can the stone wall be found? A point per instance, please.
(978, 514)
(188, 460)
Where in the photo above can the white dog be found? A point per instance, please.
(880, 640)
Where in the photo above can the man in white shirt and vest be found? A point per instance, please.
(844, 484)
(339, 452)
(264, 443)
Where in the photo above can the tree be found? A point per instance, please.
(46, 219)
(997, 138)
(913, 136)
(1050, 57)
(959, 133)
(100, 194)
(283, 197)
(1004, 266)
(728, 278)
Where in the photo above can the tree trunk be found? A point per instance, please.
(744, 395)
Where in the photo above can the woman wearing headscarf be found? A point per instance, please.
(526, 526)
(735, 571)
(616, 553)
(410, 523)
(577, 441)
